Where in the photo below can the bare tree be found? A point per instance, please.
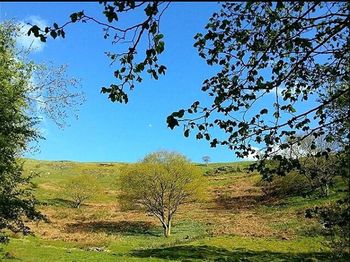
(53, 93)
(206, 159)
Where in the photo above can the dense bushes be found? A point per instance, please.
(335, 219)
(290, 185)
(313, 174)
(224, 170)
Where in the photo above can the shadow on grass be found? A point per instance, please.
(211, 253)
(60, 202)
(241, 202)
(115, 227)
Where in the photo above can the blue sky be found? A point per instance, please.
(107, 131)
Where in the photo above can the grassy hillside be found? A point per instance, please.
(235, 223)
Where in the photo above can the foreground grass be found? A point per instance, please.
(228, 248)
(232, 224)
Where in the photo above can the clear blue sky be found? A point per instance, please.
(107, 131)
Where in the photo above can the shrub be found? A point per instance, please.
(223, 170)
(335, 219)
(81, 188)
(293, 184)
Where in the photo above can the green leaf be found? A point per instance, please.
(172, 122)
(199, 136)
(158, 37)
(263, 111)
(35, 30)
(161, 70)
(53, 34)
(149, 10)
(160, 47)
(187, 132)
(180, 113)
(74, 17)
(154, 74)
(153, 28)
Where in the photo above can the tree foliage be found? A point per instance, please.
(159, 184)
(17, 129)
(290, 53)
(335, 219)
(131, 62)
(28, 90)
(317, 167)
(292, 184)
(81, 188)
(206, 159)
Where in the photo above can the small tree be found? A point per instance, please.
(160, 183)
(206, 159)
(319, 169)
(81, 188)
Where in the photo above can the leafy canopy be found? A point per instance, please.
(81, 188)
(17, 129)
(291, 52)
(159, 184)
(131, 65)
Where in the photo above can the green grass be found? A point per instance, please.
(229, 248)
(231, 225)
(33, 249)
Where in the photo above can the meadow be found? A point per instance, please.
(235, 222)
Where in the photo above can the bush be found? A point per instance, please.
(81, 188)
(221, 170)
(293, 184)
(335, 219)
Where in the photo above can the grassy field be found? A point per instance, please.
(234, 223)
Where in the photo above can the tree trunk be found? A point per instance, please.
(77, 204)
(165, 230)
(168, 229)
(166, 224)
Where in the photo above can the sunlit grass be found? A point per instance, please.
(231, 224)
